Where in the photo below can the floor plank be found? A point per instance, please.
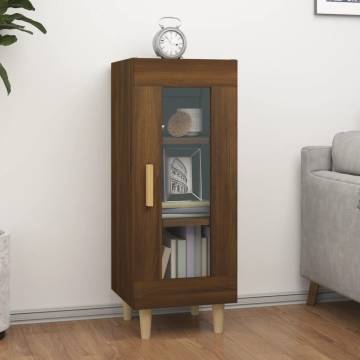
(294, 332)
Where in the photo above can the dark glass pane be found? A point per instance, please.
(186, 181)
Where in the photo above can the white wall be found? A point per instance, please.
(298, 85)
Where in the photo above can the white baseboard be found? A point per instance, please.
(109, 311)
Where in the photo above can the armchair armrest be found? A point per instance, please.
(314, 158)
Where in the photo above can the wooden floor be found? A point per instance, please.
(328, 331)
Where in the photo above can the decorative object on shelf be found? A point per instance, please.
(180, 175)
(196, 121)
(7, 23)
(169, 42)
(4, 284)
(337, 7)
(179, 124)
(182, 168)
(185, 122)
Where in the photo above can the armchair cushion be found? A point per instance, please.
(335, 176)
(346, 152)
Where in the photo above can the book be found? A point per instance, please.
(190, 251)
(171, 243)
(197, 256)
(165, 259)
(207, 235)
(185, 204)
(173, 259)
(204, 257)
(181, 258)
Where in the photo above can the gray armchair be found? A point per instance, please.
(330, 249)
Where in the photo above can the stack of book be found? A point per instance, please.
(181, 209)
(186, 252)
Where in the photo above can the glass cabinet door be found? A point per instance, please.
(186, 182)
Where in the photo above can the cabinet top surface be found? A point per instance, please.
(159, 60)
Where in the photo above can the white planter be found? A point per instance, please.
(4, 282)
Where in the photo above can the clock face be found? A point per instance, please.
(171, 44)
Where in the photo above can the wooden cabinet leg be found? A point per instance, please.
(145, 324)
(194, 310)
(313, 293)
(218, 318)
(127, 312)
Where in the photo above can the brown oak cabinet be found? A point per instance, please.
(174, 179)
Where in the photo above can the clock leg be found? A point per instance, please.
(145, 323)
(127, 312)
(218, 318)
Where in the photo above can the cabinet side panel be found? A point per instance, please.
(146, 221)
(121, 276)
(224, 181)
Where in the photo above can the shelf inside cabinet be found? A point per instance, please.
(195, 221)
(186, 140)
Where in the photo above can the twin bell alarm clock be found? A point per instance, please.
(169, 42)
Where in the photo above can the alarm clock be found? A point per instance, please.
(169, 42)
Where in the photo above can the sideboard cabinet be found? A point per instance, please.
(174, 179)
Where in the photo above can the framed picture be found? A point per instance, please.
(182, 174)
(337, 7)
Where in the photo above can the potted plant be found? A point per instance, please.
(8, 22)
(4, 284)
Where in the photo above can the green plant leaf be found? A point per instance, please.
(3, 6)
(7, 40)
(20, 17)
(24, 4)
(7, 23)
(5, 79)
(14, 27)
